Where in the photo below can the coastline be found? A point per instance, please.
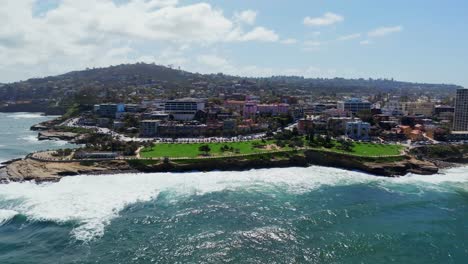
(29, 169)
(33, 169)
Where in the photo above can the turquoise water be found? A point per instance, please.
(16, 140)
(294, 215)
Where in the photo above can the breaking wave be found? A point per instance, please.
(26, 115)
(6, 215)
(93, 201)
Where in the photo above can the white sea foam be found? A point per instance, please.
(30, 139)
(6, 215)
(34, 140)
(26, 115)
(93, 201)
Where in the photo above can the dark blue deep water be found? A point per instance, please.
(295, 215)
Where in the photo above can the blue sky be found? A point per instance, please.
(423, 41)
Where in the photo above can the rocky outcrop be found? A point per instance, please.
(39, 127)
(39, 171)
(374, 166)
(444, 153)
(52, 135)
(28, 169)
(301, 159)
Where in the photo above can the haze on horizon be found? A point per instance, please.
(419, 41)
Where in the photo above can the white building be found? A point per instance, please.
(357, 130)
(183, 109)
(393, 108)
(354, 105)
(149, 128)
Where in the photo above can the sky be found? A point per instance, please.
(417, 40)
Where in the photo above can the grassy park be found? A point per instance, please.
(371, 150)
(192, 150)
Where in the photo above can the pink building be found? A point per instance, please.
(253, 108)
(283, 109)
(234, 105)
(273, 109)
(250, 109)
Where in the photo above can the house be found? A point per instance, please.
(358, 130)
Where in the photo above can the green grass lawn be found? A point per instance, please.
(371, 150)
(191, 150)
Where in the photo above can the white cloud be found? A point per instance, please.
(289, 41)
(258, 34)
(350, 37)
(92, 33)
(247, 17)
(384, 31)
(214, 61)
(365, 42)
(312, 45)
(325, 20)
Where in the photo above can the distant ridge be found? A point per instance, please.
(151, 75)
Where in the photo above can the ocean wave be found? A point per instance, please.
(94, 201)
(26, 115)
(30, 139)
(33, 139)
(6, 215)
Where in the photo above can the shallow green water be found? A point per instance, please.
(16, 140)
(295, 215)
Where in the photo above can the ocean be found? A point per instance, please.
(287, 215)
(16, 140)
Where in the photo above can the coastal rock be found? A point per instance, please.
(52, 135)
(39, 127)
(28, 169)
(40, 171)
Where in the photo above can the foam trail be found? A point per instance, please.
(93, 201)
(26, 115)
(30, 139)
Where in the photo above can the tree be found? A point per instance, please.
(328, 142)
(408, 121)
(295, 132)
(311, 136)
(366, 116)
(205, 148)
(345, 145)
(269, 134)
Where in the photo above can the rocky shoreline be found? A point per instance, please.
(48, 171)
(418, 161)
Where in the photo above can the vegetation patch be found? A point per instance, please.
(193, 150)
(369, 149)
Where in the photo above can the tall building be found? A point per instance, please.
(460, 122)
(354, 105)
(184, 109)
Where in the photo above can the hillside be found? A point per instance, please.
(150, 80)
